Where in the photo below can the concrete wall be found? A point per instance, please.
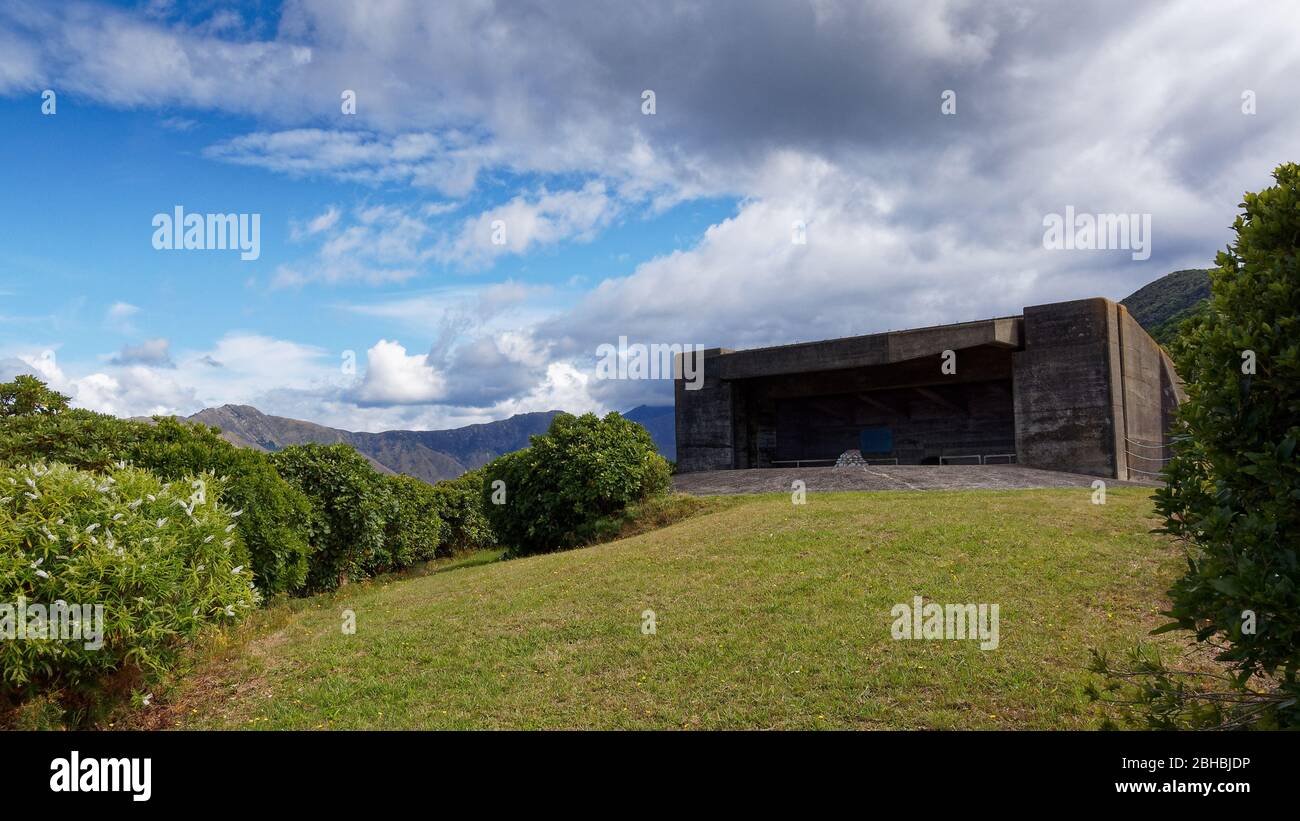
(1151, 393)
(1065, 411)
(704, 418)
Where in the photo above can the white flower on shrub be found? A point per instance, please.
(235, 572)
(160, 523)
(91, 528)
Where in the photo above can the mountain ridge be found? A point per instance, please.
(430, 455)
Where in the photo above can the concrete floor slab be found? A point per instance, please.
(885, 477)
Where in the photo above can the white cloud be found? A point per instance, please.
(317, 224)
(525, 223)
(395, 378)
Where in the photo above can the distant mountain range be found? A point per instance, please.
(431, 455)
(1161, 306)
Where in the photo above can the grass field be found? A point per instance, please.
(768, 615)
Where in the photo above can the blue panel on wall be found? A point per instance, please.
(876, 440)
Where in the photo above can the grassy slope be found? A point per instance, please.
(769, 615)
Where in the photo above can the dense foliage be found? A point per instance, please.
(351, 507)
(272, 525)
(162, 564)
(555, 493)
(460, 504)
(27, 395)
(275, 513)
(81, 438)
(1233, 493)
(414, 528)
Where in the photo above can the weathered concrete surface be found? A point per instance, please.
(866, 351)
(885, 477)
(1071, 386)
(1152, 392)
(1065, 410)
(704, 417)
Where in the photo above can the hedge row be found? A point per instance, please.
(313, 515)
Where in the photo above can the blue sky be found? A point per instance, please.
(78, 237)
(671, 227)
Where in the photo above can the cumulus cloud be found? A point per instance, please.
(395, 378)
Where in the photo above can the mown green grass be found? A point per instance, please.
(769, 615)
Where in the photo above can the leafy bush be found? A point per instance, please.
(1233, 493)
(28, 396)
(81, 438)
(415, 527)
(460, 504)
(582, 470)
(275, 513)
(351, 506)
(162, 566)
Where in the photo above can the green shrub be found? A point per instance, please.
(275, 513)
(273, 525)
(460, 504)
(1233, 493)
(1234, 484)
(81, 438)
(415, 527)
(29, 396)
(351, 506)
(162, 567)
(582, 470)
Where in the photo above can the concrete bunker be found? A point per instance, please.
(1075, 386)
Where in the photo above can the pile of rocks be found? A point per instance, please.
(851, 459)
